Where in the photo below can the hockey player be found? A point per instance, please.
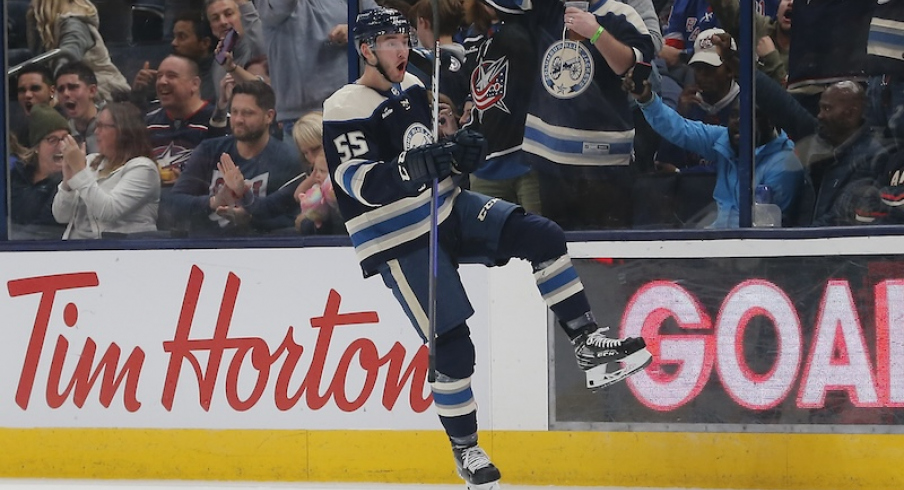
(382, 158)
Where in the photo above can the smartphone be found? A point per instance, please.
(642, 71)
(228, 44)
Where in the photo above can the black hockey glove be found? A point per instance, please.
(419, 166)
(470, 150)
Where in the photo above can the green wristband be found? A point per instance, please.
(596, 36)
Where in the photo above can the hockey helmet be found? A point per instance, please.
(373, 23)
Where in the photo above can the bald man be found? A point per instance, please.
(844, 151)
(841, 109)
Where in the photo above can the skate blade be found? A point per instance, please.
(598, 378)
(493, 485)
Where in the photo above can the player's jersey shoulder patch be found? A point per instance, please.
(567, 69)
(417, 134)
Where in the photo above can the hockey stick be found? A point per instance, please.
(434, 209)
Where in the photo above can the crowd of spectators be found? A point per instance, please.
(221, 136)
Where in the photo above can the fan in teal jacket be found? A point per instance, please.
(776, 164)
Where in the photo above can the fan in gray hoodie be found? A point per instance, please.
(307, 49)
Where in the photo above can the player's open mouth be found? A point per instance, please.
(401, 66)
(28, 106)
(69, 106)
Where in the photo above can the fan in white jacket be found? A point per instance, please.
(114, 191)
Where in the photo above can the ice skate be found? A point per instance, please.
(594, 351)
(475, 468)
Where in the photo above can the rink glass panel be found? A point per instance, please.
(639, 196)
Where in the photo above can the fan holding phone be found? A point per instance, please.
(237, 24)
(776, 164)
(639, 75)
(226, 46)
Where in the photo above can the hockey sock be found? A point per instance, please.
(542, 242)
(452, 393)
(455, 405)
(563, 292)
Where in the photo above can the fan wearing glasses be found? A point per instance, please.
(35, 172)
(115, 191)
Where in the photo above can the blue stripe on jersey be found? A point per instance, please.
(353, 172)
(886, 36)
(378, 228)
(385, 227)
(570, 146)
(557, 281)
(452, 399)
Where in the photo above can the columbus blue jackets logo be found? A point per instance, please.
(172, 155)
(567, 69)
(417, 135)
(488, 84)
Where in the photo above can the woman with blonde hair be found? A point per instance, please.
(116, 190)
(72, 26)
(319, 210)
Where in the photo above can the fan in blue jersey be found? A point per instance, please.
(579, 131)
(382, 158)
(196, 203)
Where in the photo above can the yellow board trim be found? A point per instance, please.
(666, 459)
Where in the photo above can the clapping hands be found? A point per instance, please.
(229, 196)
(74, 159)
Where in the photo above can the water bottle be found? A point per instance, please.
(765, 213)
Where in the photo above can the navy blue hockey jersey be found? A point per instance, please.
(886, 39)
(501, 82)
(830, 39)
(174, 139)
(266, 172)
(453, 80)
(579, 114)
(364, 131)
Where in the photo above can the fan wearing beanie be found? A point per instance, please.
(35, 174)
(43, 121)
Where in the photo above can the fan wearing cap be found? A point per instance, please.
(775, 163)
(35, 176)
(710, 101)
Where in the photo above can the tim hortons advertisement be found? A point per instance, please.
(745, 344)
(276, 339)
